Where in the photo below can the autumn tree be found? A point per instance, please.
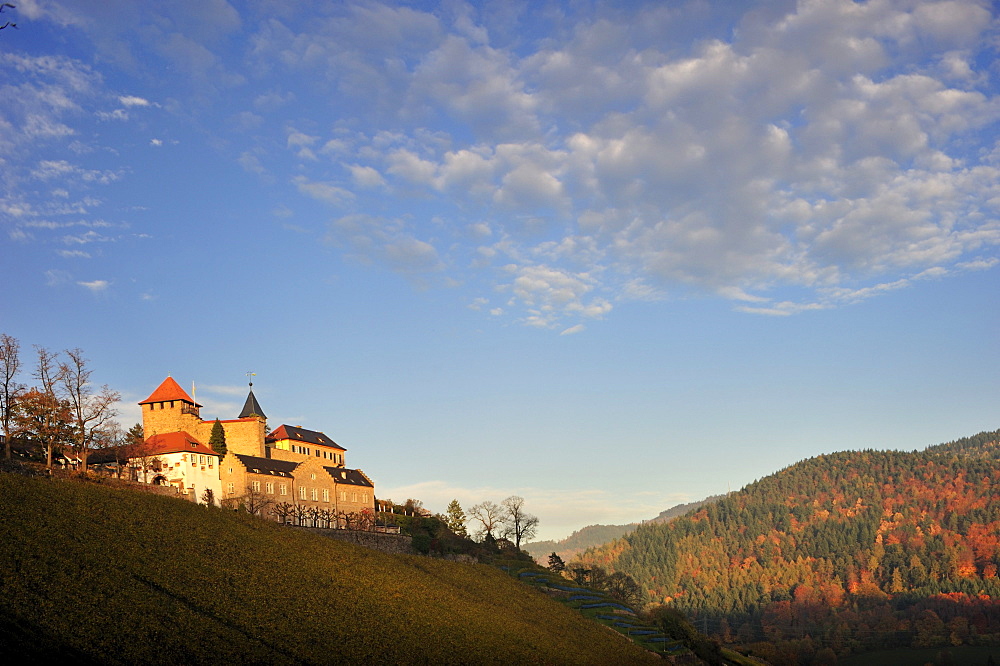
(10, 388)
(490, 517)
(517, 522)
(556, 564)
(217, 440)
(455, 518)
(92, 409)
(43, 418)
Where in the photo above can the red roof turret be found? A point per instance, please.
(169, 390)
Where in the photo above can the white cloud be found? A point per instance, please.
(389, 241)
(328, 192)
(366, 176)
(132, 100)
(95, 286)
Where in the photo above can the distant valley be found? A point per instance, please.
(596, 535)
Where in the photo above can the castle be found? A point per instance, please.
(289, 472)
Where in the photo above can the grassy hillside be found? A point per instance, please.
(104, 575)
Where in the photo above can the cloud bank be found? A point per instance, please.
(559, 159)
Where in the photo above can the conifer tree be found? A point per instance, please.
(217, 440)
(455, 519)
(556, 564)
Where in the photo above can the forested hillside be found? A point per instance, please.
(853, 550)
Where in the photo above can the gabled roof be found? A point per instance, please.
(252, 408)
(352, 477)
(302, 435)
(175, 442)
(169, 390)
(256, 465)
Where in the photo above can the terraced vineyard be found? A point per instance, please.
(598, 607)
(101, 575)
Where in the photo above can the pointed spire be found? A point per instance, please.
(252, 408)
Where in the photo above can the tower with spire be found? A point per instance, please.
(170, 409)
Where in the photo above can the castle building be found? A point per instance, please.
(282, 472)
(176, 459)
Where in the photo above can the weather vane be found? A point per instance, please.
(251, 375)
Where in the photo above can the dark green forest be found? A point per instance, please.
(849, 552)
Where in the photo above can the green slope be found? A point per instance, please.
(92, 573)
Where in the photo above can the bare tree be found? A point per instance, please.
(490, 517)
(283, 511)
(93, 411)
(255, 502)
(10, 388)
(518, 523)
(47, 370)
(111, 442)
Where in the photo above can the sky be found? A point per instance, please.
(607, 256)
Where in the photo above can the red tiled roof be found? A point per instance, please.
(176, 442)
(169, 390)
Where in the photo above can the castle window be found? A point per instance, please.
(230, 488)
(270, 488)
(282, 489)
(343, 496)
(312, 476)
(354, 497)
(302, 492)
(326, 494)
(256, 486)
(315, 494)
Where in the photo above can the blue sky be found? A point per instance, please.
(606, 256)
